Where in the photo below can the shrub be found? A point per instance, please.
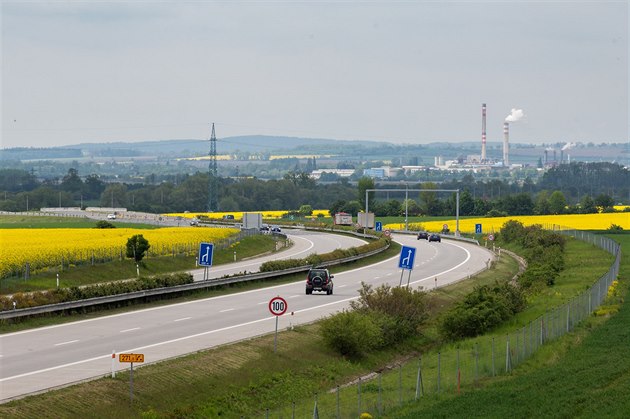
(104, 224)
(351, 333)
(483, 309)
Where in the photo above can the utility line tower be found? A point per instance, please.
(213, 180)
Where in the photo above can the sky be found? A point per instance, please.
(408, 72)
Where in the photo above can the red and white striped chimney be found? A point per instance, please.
(483, 132)
(506, 144)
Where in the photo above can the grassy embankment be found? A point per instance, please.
(584, 374)
(246, 377)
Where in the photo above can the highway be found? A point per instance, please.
(47, 357)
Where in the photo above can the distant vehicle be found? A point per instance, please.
(435, 238)
(194, 222)
(343, 219)
(275, 229)
(423, 235)
(111, 216)
(319, 280)
(228, 217)
(264, 227)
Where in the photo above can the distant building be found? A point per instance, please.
(316, 174)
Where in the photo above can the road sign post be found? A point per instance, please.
(407, 257)
(277, 306)
(131, 358)
(206, 250)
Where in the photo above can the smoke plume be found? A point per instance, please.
(515, 115)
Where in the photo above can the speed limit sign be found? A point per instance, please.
(278, 306)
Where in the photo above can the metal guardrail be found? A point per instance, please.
(210, 283)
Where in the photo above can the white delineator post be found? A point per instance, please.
(113, 364)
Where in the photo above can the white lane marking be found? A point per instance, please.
(226, 310)
(66, 343)
(129, 330)
(295, 296)
(377, 277)
(182, 319)
(341, 286)
(391, 273)
(263, 302)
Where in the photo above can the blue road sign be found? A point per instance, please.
(478, 229)
(205, 254)
(407, 255)
(379, 226)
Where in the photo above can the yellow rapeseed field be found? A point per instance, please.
(239, 214)
(49, 247)
(578, 221)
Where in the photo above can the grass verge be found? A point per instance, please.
(584, 374)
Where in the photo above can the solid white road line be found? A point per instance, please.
(129, 330)
(226, 310)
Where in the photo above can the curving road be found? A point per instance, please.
(38, 359)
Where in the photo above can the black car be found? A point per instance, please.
(423, 235)
(275, 229)
(435, 238)
(319, 280)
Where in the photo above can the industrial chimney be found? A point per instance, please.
(483, 132)
(506, 143)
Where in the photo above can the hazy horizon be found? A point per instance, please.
(400, 72)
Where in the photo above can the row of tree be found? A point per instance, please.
(22, 191)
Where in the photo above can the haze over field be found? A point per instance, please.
(405, 72)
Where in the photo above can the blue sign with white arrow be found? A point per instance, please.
(478, 229)
(205, 254)
(379, 226)
(407, 256)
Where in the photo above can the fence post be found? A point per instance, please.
(493, 371)
(419, 378)
(400, 398)
(459, 374)
(338, 415)
(476, 361)
(507, 354)
(359, 397)
(438, 371)
(379, 402)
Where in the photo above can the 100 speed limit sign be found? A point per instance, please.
(278, 306)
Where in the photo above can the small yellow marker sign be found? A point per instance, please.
(131, 357)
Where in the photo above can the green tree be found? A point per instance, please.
(137, 246)
(306, 210)
(366, 183)
(72, 182)
(587, 205)
(605, 202)
(542, 204)
(557, 202)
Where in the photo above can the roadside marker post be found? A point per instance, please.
(131, 358)
(277, 306)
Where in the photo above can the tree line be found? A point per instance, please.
(570, 188)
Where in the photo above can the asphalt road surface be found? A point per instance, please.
(39, 359)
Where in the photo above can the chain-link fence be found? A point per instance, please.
(460, 365)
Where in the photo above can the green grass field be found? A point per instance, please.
(585, 374)
(26, 221)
